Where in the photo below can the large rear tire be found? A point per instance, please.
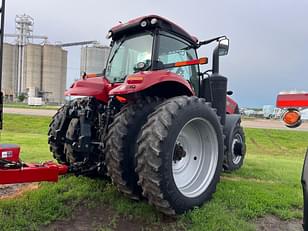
(121, 145)
(180, 154)
(57, 147)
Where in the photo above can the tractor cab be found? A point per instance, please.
(156, 55)
(152, 43)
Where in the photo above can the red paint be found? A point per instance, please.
(231, 105)
(137, 21)
(98, 87)
(292, 100)
(131, 22)
(48, 171)
(150, 78)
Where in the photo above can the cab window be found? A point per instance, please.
(172, 50)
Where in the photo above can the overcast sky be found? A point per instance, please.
(268, 39)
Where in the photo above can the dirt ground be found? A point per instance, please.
(14, 190)
(105, 218)
(272, 223)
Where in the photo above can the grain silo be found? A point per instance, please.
(32, 69)
(54, 61)
(93, 59)
(9, 71)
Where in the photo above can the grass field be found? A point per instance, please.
(268, 183)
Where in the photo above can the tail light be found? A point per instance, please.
(292, 118)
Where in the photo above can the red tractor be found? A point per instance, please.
(152, 121)
(157, 125)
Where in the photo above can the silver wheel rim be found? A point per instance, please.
(236, 159)
(194, 172)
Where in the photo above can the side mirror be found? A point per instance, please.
(223, 46)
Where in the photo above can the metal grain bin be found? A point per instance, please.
(54, 65)
(9, 70)
(32, 69)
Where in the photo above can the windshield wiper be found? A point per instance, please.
(116, 51)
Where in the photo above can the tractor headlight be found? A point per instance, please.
(153, 21)
(143, 23)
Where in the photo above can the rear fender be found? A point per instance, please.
(150, 79)
(231, 121)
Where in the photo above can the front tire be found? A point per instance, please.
(236, 149)
(180, 154)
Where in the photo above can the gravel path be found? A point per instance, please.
(276, 124)
(24, 111)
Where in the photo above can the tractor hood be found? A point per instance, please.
(98, 87)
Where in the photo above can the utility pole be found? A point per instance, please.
(2, 10)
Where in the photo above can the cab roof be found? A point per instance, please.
(134, 26)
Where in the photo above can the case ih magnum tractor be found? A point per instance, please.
(152, 121)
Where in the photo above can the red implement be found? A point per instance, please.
(296, 100)
(12, 170)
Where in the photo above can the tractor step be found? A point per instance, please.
(13, 171)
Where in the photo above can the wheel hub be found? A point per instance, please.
(195, 157)
(237, 148)
(179, 153)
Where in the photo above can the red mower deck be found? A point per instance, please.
(13, 171)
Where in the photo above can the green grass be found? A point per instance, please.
(23, 105)
(268, 183)
(30, 132)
